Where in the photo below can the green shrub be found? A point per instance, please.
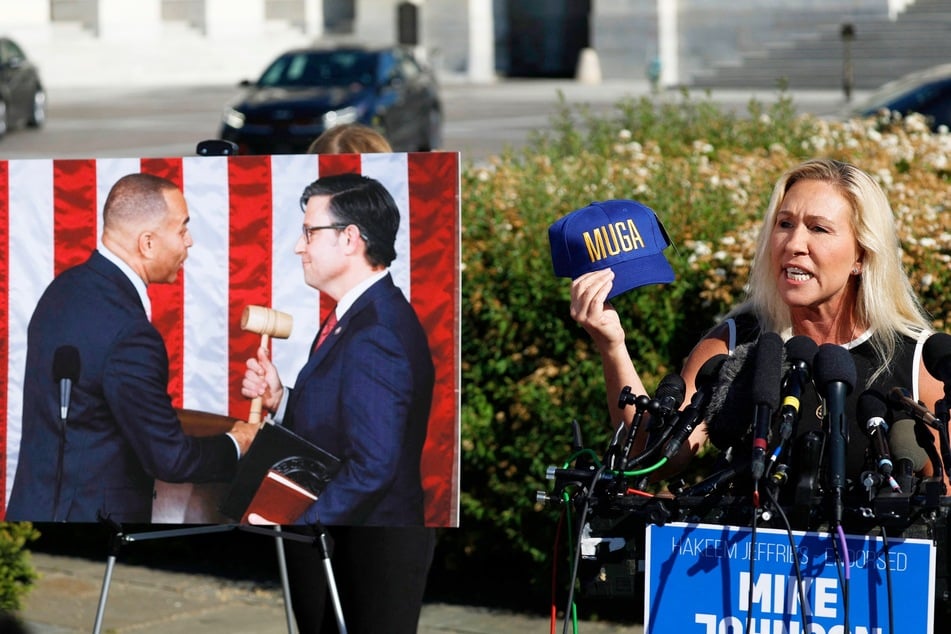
(528, 370)
(16, 571)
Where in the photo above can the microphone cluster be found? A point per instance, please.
(778, 374)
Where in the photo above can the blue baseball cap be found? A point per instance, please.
(621, 235)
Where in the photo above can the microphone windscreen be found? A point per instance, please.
(801, 348)
(709, 372)
(903, 442)
(730, 410)
(871, 405)
(769, 370)
(834, 364)
(937, 356)
(66, 363)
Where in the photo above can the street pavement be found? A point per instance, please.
(145, 600)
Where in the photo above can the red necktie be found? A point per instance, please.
(328, 326)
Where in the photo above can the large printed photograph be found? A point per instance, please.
(126, 400)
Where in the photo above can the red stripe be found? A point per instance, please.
(434, 240)
(168, 300)
(251, 230)
(330, 164)
(75, 214)
(4, 324)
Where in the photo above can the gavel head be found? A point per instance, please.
(267, 321)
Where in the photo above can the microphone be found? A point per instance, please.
(902, 399)
(937, 357)
(801, 352)
(669, 395)
(872, 409)
(66, 372)
(690, 417)
(910, 457)
(766, 388)
(835, 376)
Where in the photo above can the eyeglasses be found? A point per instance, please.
(309, 230)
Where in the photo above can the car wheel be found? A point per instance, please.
(3, 118)
(433, 138)
(38, 116)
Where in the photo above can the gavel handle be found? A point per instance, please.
(254, 416)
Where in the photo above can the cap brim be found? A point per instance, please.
(644, 271)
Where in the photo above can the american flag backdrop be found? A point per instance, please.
(245, 219)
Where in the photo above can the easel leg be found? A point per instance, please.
(115, 543)
(285, 584)
(331, 581)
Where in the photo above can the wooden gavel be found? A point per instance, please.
(266, 322)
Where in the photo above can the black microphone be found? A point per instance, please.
(801, 352)
(937, 357)
(766, 388)
(66, 372)
(872, 409)
(835, 377)
(668, 397)
(902, 399)
(687, 420)
(909, 455)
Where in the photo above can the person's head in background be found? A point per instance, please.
(350, 138)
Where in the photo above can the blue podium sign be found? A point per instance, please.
(699, 580)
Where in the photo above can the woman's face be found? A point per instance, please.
(813, 246)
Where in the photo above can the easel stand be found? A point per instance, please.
(318, 539)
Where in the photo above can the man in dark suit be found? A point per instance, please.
(364, 395)
(120, 432)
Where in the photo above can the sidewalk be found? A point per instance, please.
(66, 597)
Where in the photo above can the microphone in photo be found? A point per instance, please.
(668, 397)
(800, 352)
(909, 456)
(66, 373)
(690, 417)
(902, 399)
(937, 358)
(872, 409)
(766, 390)
(835, 377)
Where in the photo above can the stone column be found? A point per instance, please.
(481, 41)
(314, 18)
(121, 20)
(225, 19)
(668, 42)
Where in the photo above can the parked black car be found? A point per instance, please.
(22, 97)
(305, 91)
(926, 92)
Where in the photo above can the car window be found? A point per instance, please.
(323, 68)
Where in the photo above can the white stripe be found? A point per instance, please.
(205, 181)
(391, 170)
(290, 174)
(31, 270)
(108, 171)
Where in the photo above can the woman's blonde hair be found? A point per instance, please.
(350, 138)
(885, 298)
